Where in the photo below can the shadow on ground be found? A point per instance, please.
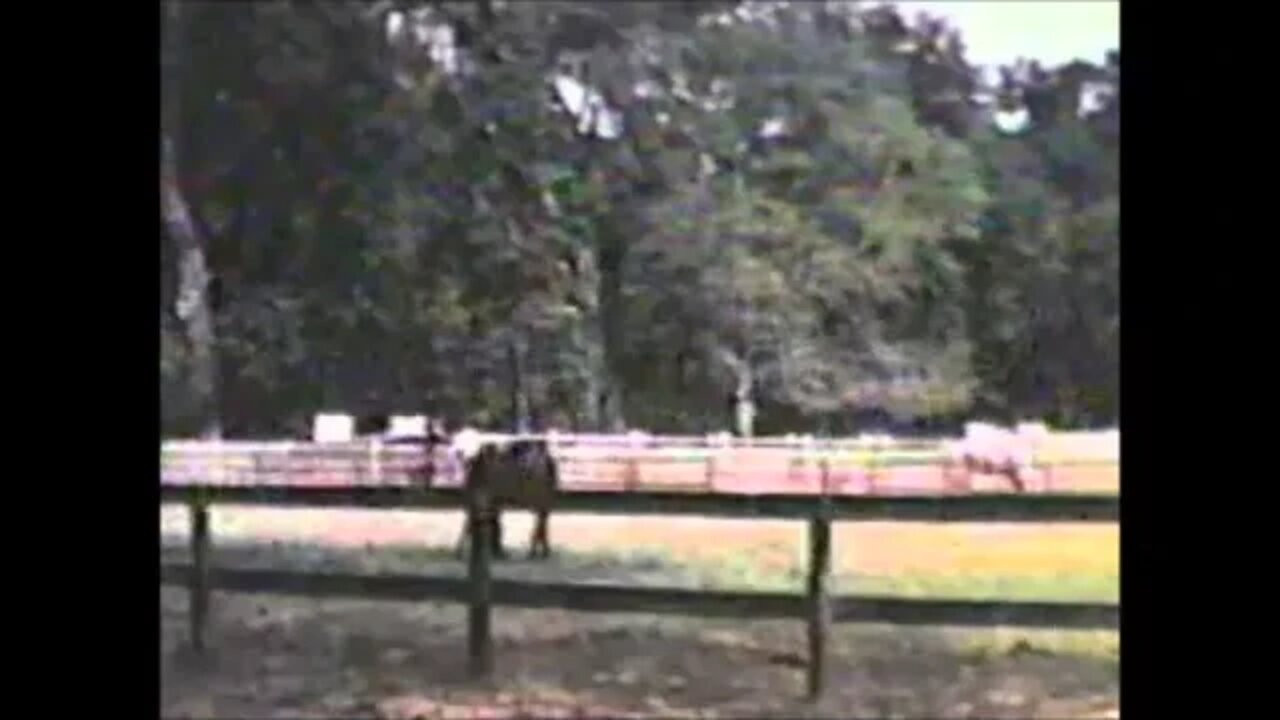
(272, 656)
(642, 568)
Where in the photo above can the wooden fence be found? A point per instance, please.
(480, 592)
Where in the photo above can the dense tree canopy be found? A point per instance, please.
(602, 215)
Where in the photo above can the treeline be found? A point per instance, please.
(597, 215)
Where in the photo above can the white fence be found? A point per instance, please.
(633, 459)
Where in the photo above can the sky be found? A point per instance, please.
(1052, 31)
(995, 33)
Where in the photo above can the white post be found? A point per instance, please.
(407, 426)
(333, 428)
(712, 451)
(791, 442)
(375, 460)
(807, 452)
(635, 441)
(218, 471)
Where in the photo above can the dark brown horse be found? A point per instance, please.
(516, 472)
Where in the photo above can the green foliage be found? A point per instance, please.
(394, 227)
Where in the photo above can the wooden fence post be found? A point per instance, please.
(480, 528)
(818, 590)
(198, 590)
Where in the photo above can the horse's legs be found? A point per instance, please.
(959, 478)
(1014, 473)
(963, 481)
(463, 536)
(495, 533)
(539, 544)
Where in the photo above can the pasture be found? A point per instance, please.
(297, 657)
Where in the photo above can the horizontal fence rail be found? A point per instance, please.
(929, 508)
(659, 601)
(695, 462)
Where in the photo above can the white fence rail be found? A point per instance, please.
(634, 459)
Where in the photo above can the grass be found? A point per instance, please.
(295, 657)
(762, 549)
(1065, 562)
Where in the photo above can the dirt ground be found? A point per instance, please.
(274, 657)
(286, 657)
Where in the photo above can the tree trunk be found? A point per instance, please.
(519, 387)
(744, 405)
(193, 302)
(744, 410)
(612, 330)
(193, 306)
(593, 390)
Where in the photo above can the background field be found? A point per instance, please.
(302, 657)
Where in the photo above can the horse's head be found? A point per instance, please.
(435, 446)
(447, 450)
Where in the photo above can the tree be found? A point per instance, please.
(192, 305)
(808, 244)
(603, 214)
(1045, 280)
